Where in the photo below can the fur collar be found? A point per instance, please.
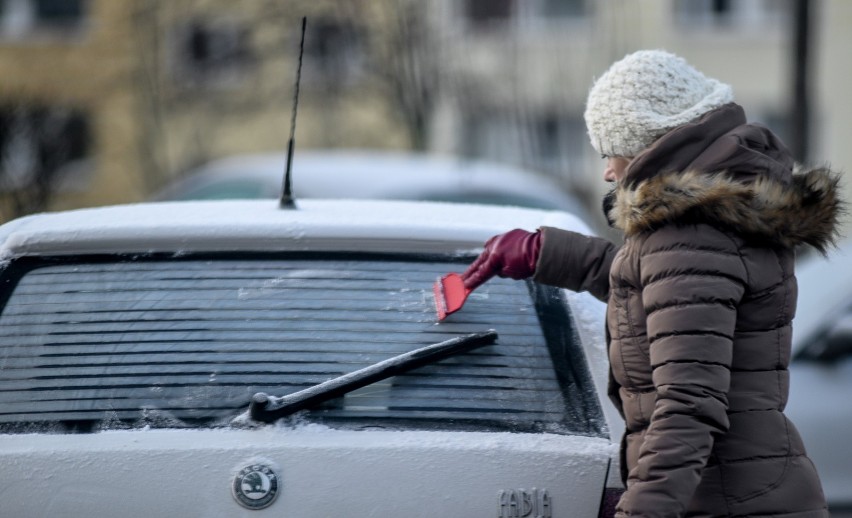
(804, 212)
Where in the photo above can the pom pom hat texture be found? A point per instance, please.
(644, 96)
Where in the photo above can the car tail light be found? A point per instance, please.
(609, 501)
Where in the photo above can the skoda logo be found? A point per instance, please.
(255, 486)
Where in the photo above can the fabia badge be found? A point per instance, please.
(255, 486)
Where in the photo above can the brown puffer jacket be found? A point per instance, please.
(700, 297)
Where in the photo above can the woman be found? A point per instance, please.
(701, 294)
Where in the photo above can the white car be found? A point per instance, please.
(373, 174)
(821, 370)
(135, 339)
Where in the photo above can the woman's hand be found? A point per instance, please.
(513, 255)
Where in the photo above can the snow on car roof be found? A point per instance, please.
(261, 225)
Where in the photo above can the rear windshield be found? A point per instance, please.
(95, 343)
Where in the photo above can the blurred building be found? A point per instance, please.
(58, 63)
(548, 53)
(105, 101)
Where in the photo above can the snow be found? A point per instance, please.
(301, 432)
(324, 472)
(589, 316)
(181, 227)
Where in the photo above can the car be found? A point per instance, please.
(232, 358)
(372, 174)
(821, 369)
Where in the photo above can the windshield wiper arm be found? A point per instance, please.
(268, 408)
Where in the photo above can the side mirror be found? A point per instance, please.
(835, 343)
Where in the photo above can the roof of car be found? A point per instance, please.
(824, 291)
(376, 174)
(358, 225)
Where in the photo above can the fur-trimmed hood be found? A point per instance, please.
(805, 211)
(719, 169)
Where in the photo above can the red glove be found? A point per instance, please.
(513, 254)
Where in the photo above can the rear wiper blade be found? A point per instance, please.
(268, 408)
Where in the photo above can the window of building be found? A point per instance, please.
(485, 12)
(552, 143)
(730, 13)
(563, 8)
(58, 12)
(559, 142)
(490, 135)
(40, 145)
(210, 53)
(333, 51)
(27, 18)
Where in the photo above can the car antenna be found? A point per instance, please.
(287, 201)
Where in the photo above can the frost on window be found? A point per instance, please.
(187, 342)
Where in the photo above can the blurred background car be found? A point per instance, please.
(373, 174)
(821, 370)
(133, 338)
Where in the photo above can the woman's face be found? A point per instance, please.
(615, 168)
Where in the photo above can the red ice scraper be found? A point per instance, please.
(450, 294)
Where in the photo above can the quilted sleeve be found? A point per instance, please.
(575, 261)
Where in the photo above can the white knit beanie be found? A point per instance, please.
(643, 96)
